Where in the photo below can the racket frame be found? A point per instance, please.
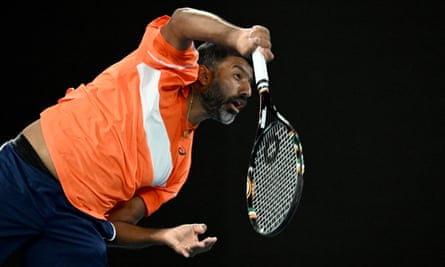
(268, 116)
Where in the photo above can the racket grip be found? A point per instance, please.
(260, 69)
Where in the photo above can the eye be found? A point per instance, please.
(237, 76)
(252, 83)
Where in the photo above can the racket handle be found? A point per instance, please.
(260, 69)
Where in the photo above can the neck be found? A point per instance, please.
(190, 117)
(195, 113)
(189, 106)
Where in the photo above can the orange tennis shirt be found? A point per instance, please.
(121, 135)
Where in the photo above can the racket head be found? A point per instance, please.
(275, 174)
(276, 166)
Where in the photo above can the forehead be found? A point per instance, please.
(232, 63)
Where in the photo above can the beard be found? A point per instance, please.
(217, 104)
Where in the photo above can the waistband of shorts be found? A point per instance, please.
(25, 149)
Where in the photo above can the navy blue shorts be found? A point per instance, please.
(37, 219)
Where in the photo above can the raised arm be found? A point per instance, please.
(188, 24)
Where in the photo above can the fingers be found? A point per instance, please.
(268, 55)
(209, 242)
(260, 36)
(203, 246)
(200, 246)
(185, 239)
(200, 228)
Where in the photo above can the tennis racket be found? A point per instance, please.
(276, 166)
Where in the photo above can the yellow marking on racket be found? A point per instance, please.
(249, 187)
(264, 89)
(252, 214)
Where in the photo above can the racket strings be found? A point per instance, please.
(275, 178)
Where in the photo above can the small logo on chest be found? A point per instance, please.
(181, 151)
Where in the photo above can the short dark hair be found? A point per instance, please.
(210, 54)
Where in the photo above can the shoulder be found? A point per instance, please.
(159, 22)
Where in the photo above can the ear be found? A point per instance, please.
(205, 77)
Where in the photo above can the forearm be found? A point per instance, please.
(188, 24)
(134, 236)
(183, 239)
(125, 217)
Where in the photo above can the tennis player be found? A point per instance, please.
(110, 152)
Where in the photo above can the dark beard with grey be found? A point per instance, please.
(216, 105)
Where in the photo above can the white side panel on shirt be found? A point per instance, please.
(157, 137)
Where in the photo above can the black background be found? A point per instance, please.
(362, 81)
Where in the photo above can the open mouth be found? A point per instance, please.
(237, 104)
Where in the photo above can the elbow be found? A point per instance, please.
(130, 212)
(180, 15)
(182, 11)
(179, 29)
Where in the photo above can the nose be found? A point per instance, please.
(246, 89)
